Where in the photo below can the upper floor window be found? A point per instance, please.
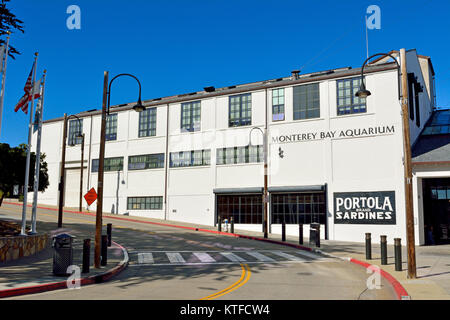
(146, 161)
(147, 122)
(190, 158)
(190, 116)
(347, 102)
(110, 164)
(240, 110)
(306, 101)
(246, 154)
(75, 129)
(144, 203)
(111, 127)
(278, 104)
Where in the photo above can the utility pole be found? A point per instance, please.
(410, 242)
(62, 174)
(98, 220)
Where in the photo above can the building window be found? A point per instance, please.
(347, 102)
(240, 110)
(190, 158)
(144, 203)
(111, 127)
(306, 101)
(146, 161)
(190, 116)
(147, 123)
(243, 208)
(75, 128)
(278, 104)
(295, 208)
(234, 155)
(110, 164)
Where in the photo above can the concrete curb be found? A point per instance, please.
(99, 278)
(402, 294)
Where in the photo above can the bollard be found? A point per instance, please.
(318, 236)
(232, 224)
(383, 250)
(86, 255)
(368, 246)
(109, 232)
(398, 254)
(283, 231)
(300, 233)
(104, 250)
(219, 224)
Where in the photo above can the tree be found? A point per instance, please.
(12, 169)
(9, 22)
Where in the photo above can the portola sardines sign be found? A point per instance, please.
(364, 207)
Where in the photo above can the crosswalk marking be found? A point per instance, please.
(204, 257)
(287, 256)
(232, 257)
(175, 257)
(308, 254)
(145, 258)
(259, 256)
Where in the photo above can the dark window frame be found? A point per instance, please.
(355, 106)
(148, 119)
(107, 166)
(149, 161)
(306, 101)
(145, 203)
(111, 127)
(278, 109)
(193, 110)
(243, 107)
(74, 130)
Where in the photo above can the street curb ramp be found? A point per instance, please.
(99, 278)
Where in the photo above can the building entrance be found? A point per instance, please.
(436, 203)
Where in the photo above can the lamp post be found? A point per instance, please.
(364, 93)
(265, 196)
(79, 134)
(105, 110)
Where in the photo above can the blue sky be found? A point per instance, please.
(176, 46)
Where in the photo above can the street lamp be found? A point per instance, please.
(363, 93)
(79, 134)
(105, 110)
(61, 186)
(265, 196)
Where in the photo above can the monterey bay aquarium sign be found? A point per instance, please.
(364, 207)
(346, 133)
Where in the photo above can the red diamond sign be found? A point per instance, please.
(90, 196)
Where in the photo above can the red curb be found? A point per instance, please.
(398, 288)
(63, 284)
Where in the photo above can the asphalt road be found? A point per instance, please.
(178, 264)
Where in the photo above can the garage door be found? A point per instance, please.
(72, 188)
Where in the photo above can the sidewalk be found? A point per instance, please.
(433, 262)
(35, 273)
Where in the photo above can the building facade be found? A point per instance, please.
(333, 158)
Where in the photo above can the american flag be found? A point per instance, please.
(23, 102)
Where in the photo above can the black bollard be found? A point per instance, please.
(383, 250)
(300, 233)
(398, 254)
(104, 251)
(109, 233)
(86, 255)
(283, 231)
(368, 246)
(220, 224)
(232, 224)
(318, 236)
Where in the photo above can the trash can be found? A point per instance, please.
(62, 254)
(314, 234)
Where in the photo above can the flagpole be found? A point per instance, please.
(27, 168)
(3, 81)
(38, 153)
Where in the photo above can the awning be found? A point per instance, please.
(312, 188)
(238, 190)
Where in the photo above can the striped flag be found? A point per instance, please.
(23, 102)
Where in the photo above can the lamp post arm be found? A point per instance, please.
(384, 55)
(109, 87)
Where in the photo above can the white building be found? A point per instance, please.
(333, 158)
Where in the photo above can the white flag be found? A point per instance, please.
(2, 55)
(37, 89)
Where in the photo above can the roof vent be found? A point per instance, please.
(209, 89)
(295, 75)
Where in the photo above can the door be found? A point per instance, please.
(437, 211)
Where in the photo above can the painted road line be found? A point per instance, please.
(232, 257)
(145, 258)
(259, 256)
(287, 256)
(309, 254)
(245, 276)
(204, 257)
(175, 257)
